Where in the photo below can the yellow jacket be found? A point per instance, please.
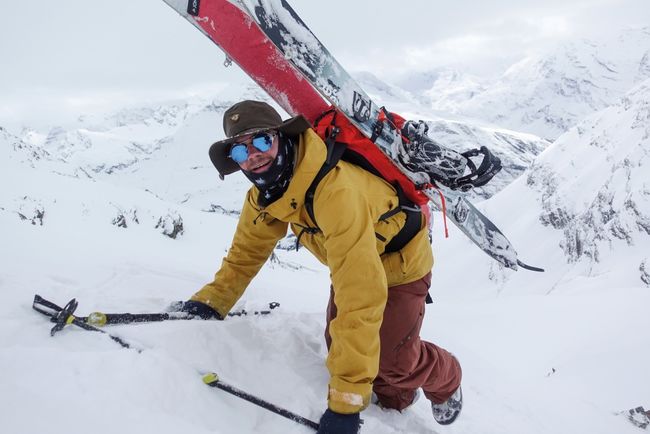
(347, 206)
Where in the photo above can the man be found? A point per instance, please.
(378, 255)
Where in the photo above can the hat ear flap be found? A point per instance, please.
(221, 160)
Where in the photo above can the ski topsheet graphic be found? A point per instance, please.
(270, 42)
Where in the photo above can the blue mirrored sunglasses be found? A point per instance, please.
(262, 142)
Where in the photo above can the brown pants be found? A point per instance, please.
(407, 363)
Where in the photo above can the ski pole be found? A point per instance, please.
(100, 319)
(213, 380)
(65, 317)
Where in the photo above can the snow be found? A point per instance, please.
(560, 352)
(507, 344)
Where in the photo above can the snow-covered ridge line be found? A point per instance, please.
(547, 93)
(122, 145)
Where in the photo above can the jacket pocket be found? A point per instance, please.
(394, 266)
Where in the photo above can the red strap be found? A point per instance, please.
(444, 211)
(427, 214)
(399, 121)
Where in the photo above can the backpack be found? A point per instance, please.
(334, 127)
(446, 167)
(345, 142)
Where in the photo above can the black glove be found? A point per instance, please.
(196, 308)
(337, 423)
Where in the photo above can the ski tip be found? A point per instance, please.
(529, 267)
(210, 378)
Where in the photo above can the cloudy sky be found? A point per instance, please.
(72, 56)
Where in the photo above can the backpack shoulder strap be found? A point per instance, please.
(334, 153)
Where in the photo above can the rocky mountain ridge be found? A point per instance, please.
(593, 182)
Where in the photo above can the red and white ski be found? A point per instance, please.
(268, 40)
(237, 34)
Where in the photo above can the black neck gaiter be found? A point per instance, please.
(275, 180)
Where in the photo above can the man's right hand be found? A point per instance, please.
(337, 423)
(196, 308)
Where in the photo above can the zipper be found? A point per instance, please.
(410, 333)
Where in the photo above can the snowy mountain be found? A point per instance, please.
(445, 86)
(160, 148)
(582, 212)
(133, 146)
(584, 204)
(546, 94)
(593, 184)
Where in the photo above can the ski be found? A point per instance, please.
(271, 30)
(244, 43)
(304, 50)
(100, 319)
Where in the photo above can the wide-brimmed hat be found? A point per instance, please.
(250, 117)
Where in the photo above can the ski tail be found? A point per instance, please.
(529, 267)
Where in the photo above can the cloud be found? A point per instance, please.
(453, 50)
(124, 46)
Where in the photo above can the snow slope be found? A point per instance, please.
(585, 201)
(553, 353)
(581, 211)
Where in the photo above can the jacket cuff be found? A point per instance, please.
(348, 398)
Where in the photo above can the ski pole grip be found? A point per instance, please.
(210, 378)
(98, 319)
